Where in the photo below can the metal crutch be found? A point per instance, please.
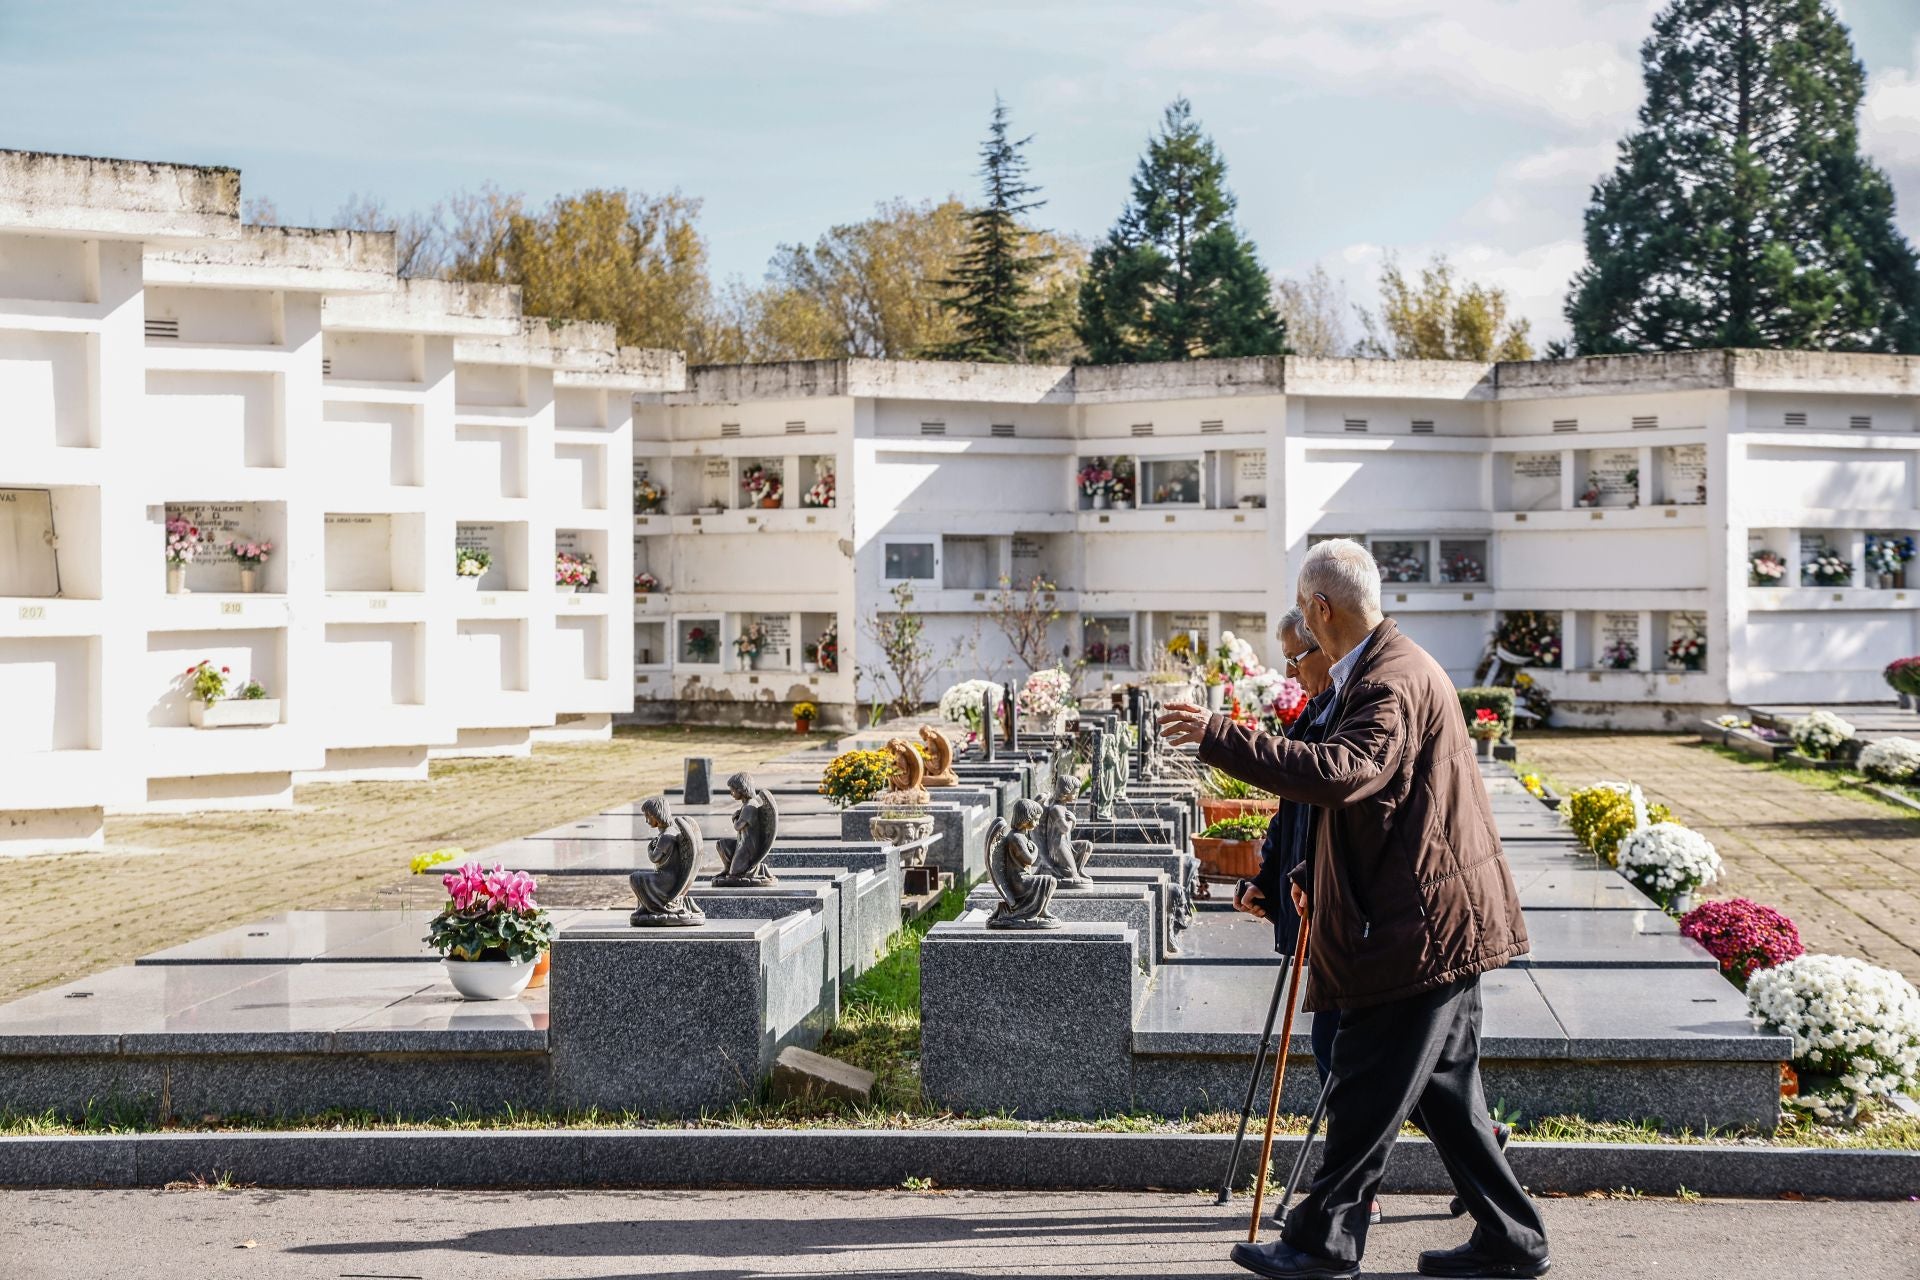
(1306, 1145)
(1279, 1078)
(1253, 1083)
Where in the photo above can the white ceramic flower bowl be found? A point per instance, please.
(488, 979)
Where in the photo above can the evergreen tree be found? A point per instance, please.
(1175, 279)
(1742, 213)
(994, 302)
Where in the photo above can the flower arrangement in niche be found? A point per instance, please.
(1743, 936)
(648, 497)
(1855, 1030)
(762, 485)
(820, 493)
(1890, 759)
(1766, 569)
(1398, 563)
(252, 554)
(1095, 479)
(206, 682)
(1667, 860)
(828, 646)
(1819, 734)
(751, 642)
(1828, 569)
(645, 583)
(472, 562)
(490, 915)
(183, 541)
(1887, 555)
(1620, 655)
(700, 644)
(1531, 635)
(856, 776)
(1688, 651)
(574, 571)
(1461, 567)
(1181, 646)
(1120, 488)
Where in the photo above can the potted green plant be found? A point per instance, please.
(1230, 848)
(1223, 796)
(491, 933)
(209, 707)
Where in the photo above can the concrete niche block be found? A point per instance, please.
(671, 1021)
(1036, 1023)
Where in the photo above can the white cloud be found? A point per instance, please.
(1890, 133)
(1575, 64)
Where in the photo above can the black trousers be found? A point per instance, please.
(1421, 1054)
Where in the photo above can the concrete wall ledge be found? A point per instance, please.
(886, 1158)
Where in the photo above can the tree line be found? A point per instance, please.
(1740, 212)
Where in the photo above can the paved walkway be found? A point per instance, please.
(1844, 867)
(165, 880)
(721, 1235)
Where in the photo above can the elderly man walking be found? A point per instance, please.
(1411, 901)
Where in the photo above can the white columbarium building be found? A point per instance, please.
(159, 362)
(1623, 497)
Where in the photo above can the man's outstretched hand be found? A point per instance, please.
(1184, 724)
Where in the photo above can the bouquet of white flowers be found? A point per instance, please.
(1819, 734)
(1855, 1029)
(1891, 759)
(965, 703)
(1667, 860)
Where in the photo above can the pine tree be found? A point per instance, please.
(994, 301)
(1742, 213)
(1175, 279)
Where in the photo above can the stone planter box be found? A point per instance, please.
(1232, 859)
(1214, 811)
(231, 713)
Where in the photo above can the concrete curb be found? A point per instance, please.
(880, 1158)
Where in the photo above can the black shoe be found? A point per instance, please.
(1501, 1132)
(1468, 1260)
(1284, 1262)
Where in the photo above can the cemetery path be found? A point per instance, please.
(167, 880)
(731, 1235)
(1845, 868)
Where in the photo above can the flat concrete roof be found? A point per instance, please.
(100, 198)
(446, 307)
(297, 258)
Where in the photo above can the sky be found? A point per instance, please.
(1352, 128)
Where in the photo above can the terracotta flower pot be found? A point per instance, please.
(1217, 810)
(802, 726)
(1228, 859)
(769, 504)
(540, 967)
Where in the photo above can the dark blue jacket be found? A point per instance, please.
(1289, 843)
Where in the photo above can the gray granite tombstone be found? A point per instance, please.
(698, 787)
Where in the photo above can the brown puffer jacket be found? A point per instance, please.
(1410, 888)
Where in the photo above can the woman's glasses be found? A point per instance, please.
(1293, 664)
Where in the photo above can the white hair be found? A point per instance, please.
(1344, 572)
(1294, 623)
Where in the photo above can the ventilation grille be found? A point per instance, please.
(933, 428)
(1796, 419)
(1141, 429)
(1646, 422)
(1356, 424)
(1213, 427)
(1001, 430)
(326, 366)
(729, 429)
(1861, 421)
(1564, 425)
(1423, 426)
(163, 328)
(796, 428)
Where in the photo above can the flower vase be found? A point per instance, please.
(1100, 501)
(176, 579)
(1886, 581)
(1484, 747)
(249, 579)
(1680, 903)
(1216, 697)
(769, 504)
(463, 582)
(488, 979)
(1123, 504)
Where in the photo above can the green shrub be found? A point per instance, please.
(1248, 826)
(1498, 701)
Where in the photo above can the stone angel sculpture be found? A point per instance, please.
(675, 854)
(756, 823)
(939, 759)
(1024, 893)
(1062, 856)
(909, 771)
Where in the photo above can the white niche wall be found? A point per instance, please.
(47, 685)
(367, 443)
(248, 654)
(505, 543)
(368, 668)
(491, 656)
(376, 551)
(213, 569)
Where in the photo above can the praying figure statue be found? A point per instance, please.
(755, 824)
(939, 758)
(909, 771)
(675, 854)
(1024, 893)
(1061, 856)
(1109, 771)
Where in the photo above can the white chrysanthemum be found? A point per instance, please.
(1820, 733)
(962, 703)
(1667, 859)
(1891, 759)
(1855, 1029)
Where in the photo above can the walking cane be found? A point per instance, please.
(1279, 1077)
(1253, 1083)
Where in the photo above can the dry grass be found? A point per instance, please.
(166, 880)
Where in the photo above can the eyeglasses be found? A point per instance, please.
(1293, 663)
